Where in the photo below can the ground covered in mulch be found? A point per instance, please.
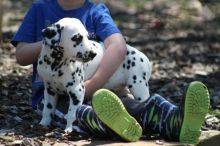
(182, 48)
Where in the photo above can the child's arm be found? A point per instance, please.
(27, 53)
(27, 49)
(114, 55)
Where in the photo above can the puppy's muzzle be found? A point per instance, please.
(92, 54)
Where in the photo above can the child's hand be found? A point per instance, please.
(113, 57)
(89, 89)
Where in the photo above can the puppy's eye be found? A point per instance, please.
(58, 26)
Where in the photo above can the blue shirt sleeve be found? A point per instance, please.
(103, 22)
(27, 30)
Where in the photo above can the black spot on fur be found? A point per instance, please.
(134, 77)
(73, 77)
(50, 91)
(128, 52)
(140, 81)
(134, 58)
(133, 64)
(128, 67)
(49, 33)
(40, 62)
(77, 69)
(76, 102)
(134, 82)
(129, 86)
(77, 39)
(144, 73)
(72, 95)
(47, 60)
(146, 84)
(123, 65)
(60, 73)
(79, 55)
(129, 61)
(69, 84)
(49, 105)
(139, 98)
(144, 77)
(57, 55)
(74, 98)
(141, 59)
(133, 52)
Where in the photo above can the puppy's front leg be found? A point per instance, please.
(76, 96)
(50, 100)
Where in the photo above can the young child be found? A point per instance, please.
(155, 114)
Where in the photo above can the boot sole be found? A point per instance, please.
(196, 107)
(112, 112)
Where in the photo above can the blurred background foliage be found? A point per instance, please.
(184, 12)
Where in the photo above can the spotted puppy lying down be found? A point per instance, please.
(68, 58)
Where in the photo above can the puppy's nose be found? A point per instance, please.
(48, 32)
(92, 54)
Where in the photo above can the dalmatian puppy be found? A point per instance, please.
(68, 58)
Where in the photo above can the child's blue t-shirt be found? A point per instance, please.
(95, 17)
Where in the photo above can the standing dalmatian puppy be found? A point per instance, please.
(68, 58)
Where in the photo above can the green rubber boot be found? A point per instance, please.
(196, 107)
(111, 111)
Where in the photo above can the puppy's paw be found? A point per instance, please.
(68, 129)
